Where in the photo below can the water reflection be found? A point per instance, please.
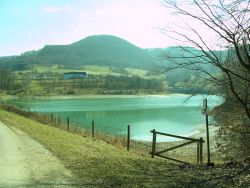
(171, 114)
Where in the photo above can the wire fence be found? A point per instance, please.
(96, 130)
(121, 137)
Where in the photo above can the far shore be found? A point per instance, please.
(11, 97)
(110, 96)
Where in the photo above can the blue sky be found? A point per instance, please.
(30, 24)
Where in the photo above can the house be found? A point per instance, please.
(75, 75)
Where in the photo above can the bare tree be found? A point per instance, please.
(229, 21)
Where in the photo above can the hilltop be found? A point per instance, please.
(100, 50)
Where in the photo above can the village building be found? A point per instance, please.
(75, 75)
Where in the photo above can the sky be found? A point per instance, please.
(27, 25)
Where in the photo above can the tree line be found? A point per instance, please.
(52, 81)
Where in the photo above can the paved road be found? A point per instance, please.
(26, 163)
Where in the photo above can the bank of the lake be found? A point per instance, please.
(86, 96)
(97, 164)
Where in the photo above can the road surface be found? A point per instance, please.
(26, 163)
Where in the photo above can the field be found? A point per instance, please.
(48, 80)
(95, 70)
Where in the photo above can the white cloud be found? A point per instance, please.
(54, 9)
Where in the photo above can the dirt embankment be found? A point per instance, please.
(26, 163)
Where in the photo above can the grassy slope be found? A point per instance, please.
(96, 70)
(94, 162)
(101, 165)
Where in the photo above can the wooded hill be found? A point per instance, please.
(118, 55)
(100, 50)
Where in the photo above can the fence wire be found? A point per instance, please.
(112, 135)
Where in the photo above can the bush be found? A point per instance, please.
(233, 139)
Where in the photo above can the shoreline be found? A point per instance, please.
(110, 96)
(7, 97)
(61, 97)
(197, 134)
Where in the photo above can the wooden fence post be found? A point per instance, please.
(51, 118)
(207, 131)
(58, 122)
(201, 157)
(198, 152)
(68, 124)
(93, 129)
(55, 121)
(153, 143)
(128, 138)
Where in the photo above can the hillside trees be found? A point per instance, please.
(229, 21)
(133, 82)
(7, 80)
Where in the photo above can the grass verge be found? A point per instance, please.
(97, 164)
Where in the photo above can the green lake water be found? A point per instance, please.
(172, 114)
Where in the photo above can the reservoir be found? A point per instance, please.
(174, 114)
